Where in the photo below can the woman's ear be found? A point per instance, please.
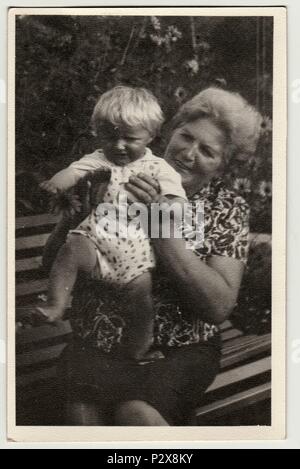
(227, 157)
(229, 153)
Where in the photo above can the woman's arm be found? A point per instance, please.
(211, 287)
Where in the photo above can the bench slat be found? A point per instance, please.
(233, 403)
(37, 357)
(250, 351)
(32, 263)
(241, 373)
(237, 341)
(36, 220)
(31, 287)
(231, 334)
(240, 342)
(225, 325)
(234, 346)
(41, 333)
(30, 242)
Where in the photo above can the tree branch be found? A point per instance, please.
(193, 33)
(127, 46)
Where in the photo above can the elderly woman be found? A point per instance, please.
(102, 388)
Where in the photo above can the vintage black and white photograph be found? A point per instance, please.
(143, 170)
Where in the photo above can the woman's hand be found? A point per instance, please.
(144, 188)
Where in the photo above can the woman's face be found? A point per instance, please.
(196, 151)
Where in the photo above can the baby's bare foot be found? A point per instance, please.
(49, 313)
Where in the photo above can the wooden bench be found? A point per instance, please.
(244, 379)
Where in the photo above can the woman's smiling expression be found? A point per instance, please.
(196, 151)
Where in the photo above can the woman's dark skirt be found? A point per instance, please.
(174, 385)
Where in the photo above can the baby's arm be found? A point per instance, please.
(170, 184)
(172, 196)
(61, 181)
(69, 177)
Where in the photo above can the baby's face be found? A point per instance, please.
(123, 144)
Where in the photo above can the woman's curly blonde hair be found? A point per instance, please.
(231, 112)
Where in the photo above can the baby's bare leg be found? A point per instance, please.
(140, 319)
(77, 254)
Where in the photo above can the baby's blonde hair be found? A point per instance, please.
(130, 106)
(240, 121)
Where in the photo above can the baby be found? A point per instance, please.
(125, 120)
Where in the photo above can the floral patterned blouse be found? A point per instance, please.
(98, 311)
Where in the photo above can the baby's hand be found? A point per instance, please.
(49, 187)
(98, 181)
